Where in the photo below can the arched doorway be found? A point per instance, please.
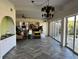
(7, 26)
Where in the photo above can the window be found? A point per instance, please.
(72, 33)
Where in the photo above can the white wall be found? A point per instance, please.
(7, 44)
(5, 7)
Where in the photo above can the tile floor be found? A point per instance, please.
(39, 49)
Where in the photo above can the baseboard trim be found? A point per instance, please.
(71, 50)
(55, 39)
(65, 46)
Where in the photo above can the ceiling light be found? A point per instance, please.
(48, 11)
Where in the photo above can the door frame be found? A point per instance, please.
(66, 32)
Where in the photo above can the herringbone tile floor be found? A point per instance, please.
(40, 49)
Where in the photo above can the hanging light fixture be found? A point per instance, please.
(48, 11)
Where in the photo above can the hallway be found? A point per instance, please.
(46, 48)
(35, 29)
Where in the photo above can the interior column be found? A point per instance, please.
(48, 28)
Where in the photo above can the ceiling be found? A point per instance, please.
(33, 10)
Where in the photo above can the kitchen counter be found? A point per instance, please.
(6, 45)
(6, 36)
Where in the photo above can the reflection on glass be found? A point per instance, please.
(53, 29)
(70, 33)
(58, 30)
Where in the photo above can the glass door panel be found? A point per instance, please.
(58, 30)
(76, 35)
(70, 33)
(53, 29)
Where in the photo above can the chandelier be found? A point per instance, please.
(48, 11)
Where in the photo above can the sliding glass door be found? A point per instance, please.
(72, 33)
(76, 35)
(58, 30)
